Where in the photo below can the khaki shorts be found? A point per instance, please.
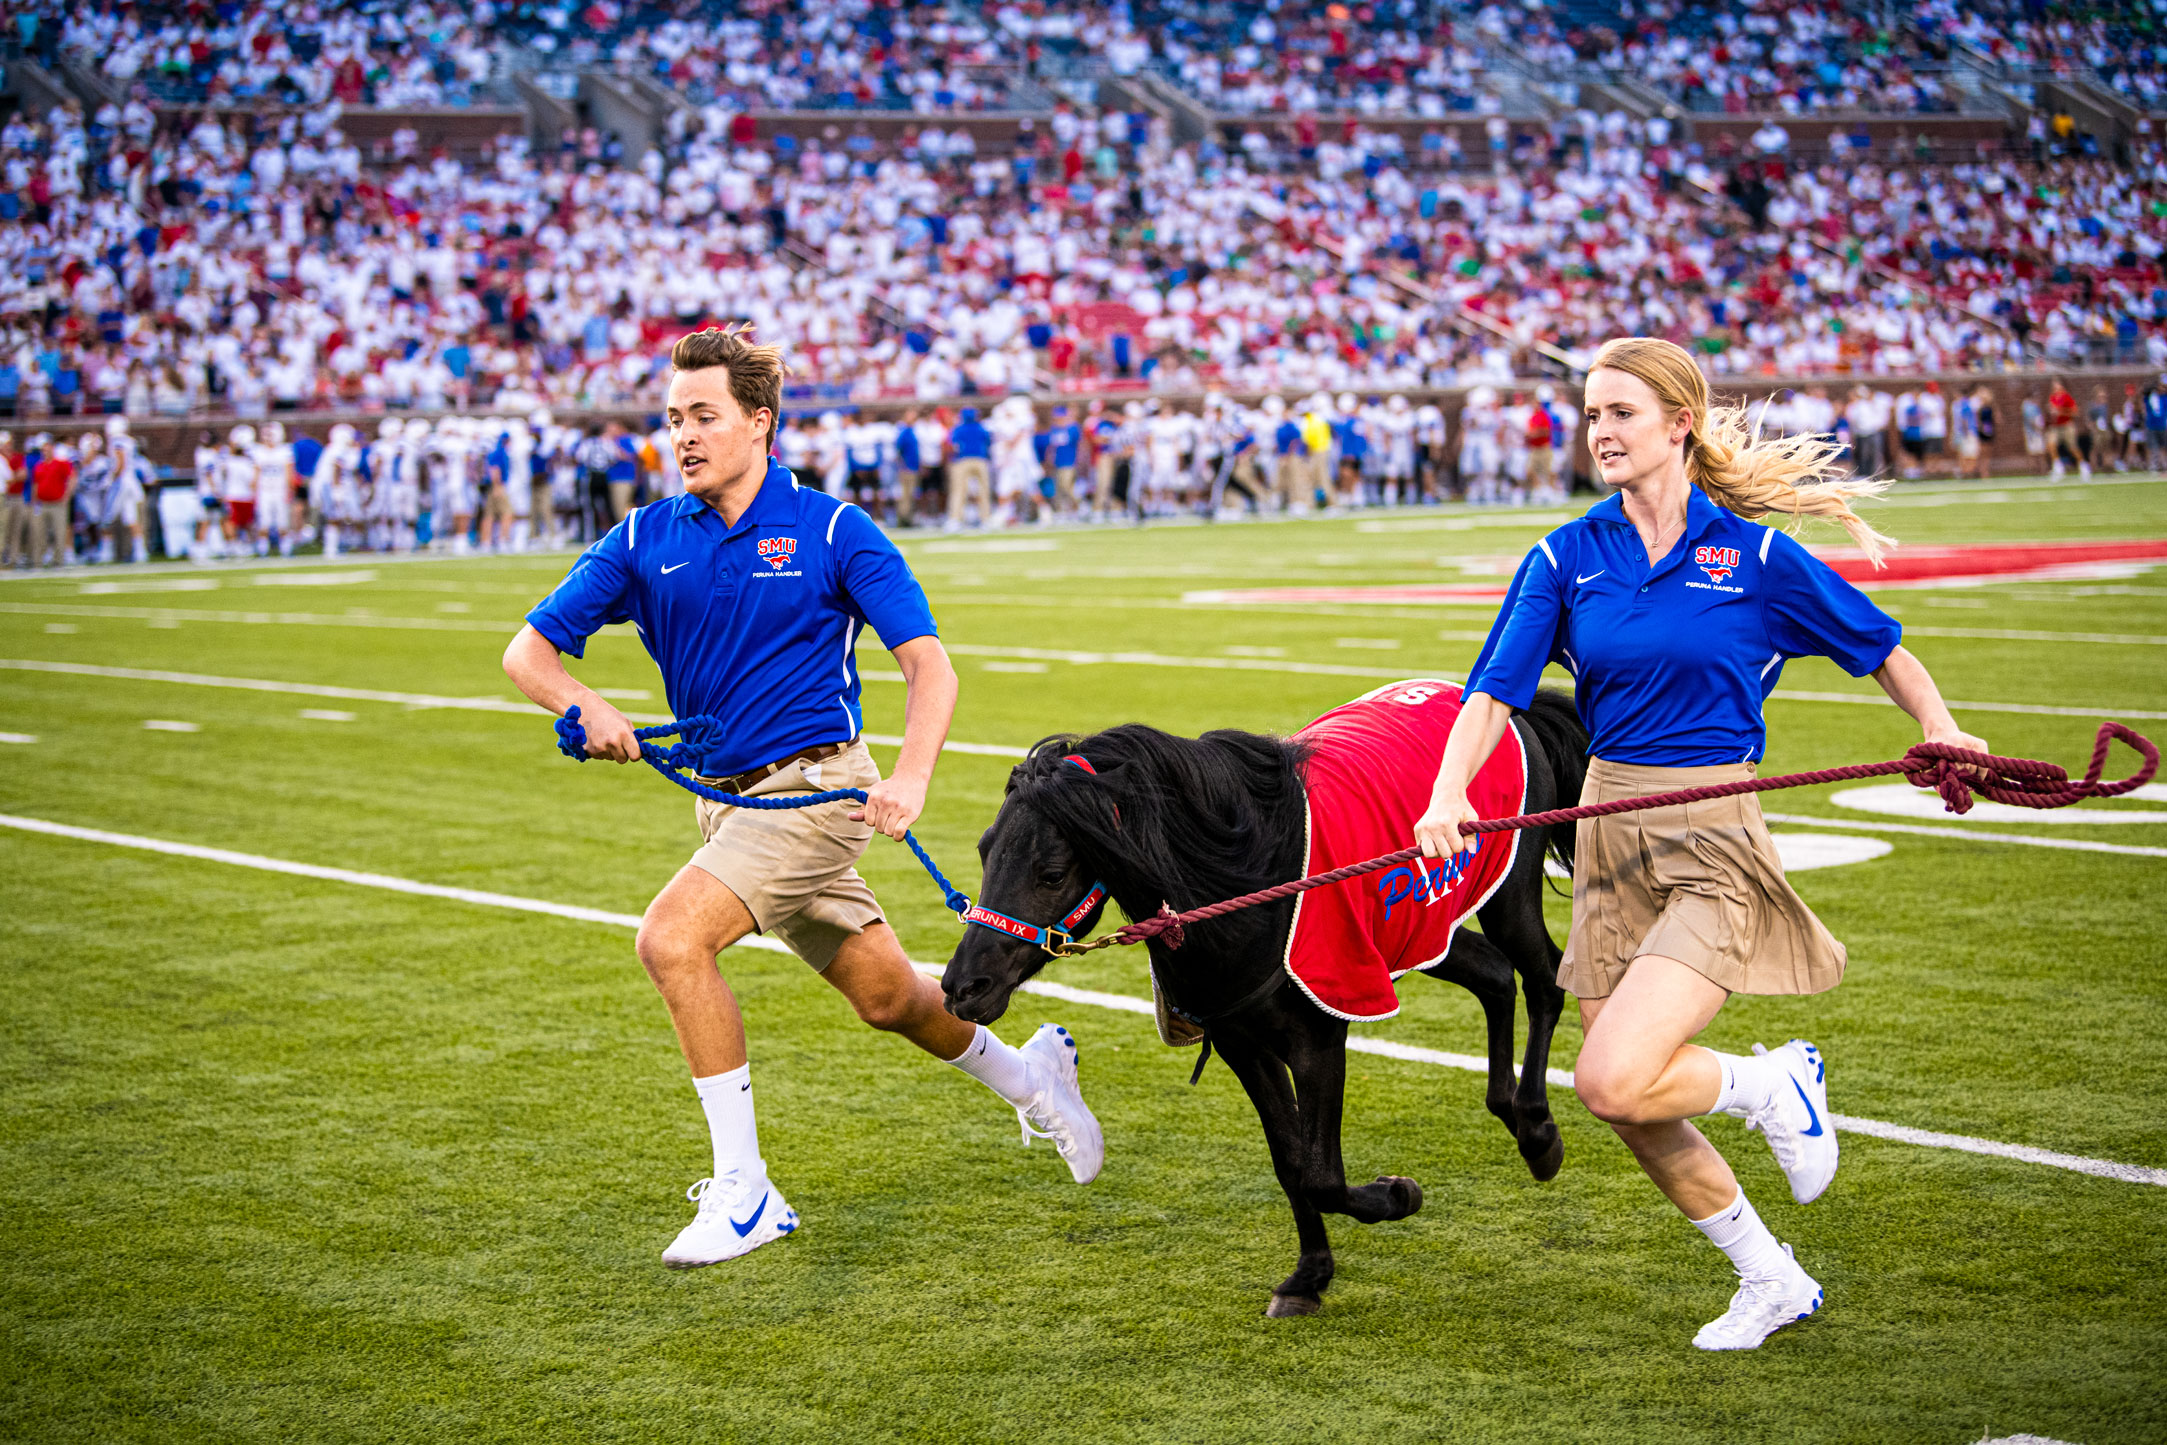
(1699, 882)
(795, 869)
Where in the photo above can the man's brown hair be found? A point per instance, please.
(756, 372)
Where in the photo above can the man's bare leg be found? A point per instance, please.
(872, 972)
(696, 916)
(689, 922)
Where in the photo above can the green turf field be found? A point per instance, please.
(283, 1158)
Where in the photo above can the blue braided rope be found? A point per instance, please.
(572, 742)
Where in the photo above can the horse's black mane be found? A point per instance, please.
(1192, 820)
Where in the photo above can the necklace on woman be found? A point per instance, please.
(1654, 545)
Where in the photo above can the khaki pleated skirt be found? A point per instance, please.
(1698, 882)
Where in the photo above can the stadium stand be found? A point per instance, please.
(248, 210)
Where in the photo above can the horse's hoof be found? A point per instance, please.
(1406, 1194)
(1545, 1166)
(1286, 1306)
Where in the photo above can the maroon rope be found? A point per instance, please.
(1956, 773)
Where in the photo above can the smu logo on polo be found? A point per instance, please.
(1428, 879)
(778, 553)
(1718, 562)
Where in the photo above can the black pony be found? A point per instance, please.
(1187, 821)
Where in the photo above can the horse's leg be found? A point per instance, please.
(1318, 1059)
(1513, 921)
(1476, 964)
(1264, 1079)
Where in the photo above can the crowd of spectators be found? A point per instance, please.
(1419, 57)
(411, 54)
(260, 264)
(826, 55)
(2123, 45)
(1776, 56)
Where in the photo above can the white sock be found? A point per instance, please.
(1739, 1233)
(1750, 1082)
(727, 1098)
(997, 1066)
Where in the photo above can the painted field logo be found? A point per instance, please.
(1717, 562)
(777, 551)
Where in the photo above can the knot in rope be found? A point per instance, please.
(1958, 773)
(1165, 925)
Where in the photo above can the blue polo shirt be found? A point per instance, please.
(755, 624)
(1671, 663)
(967, 439)
(1062, 441)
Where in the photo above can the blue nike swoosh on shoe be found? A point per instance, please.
(1812, 1133)
(746, 1228)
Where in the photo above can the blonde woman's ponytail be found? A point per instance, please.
(1736, 467)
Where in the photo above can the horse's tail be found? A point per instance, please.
(1554, 719)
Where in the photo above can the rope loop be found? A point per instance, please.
(1957, 773)
(701, 732)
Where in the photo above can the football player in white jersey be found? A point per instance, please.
(519, 448)
(379, 460)
(1015, 463)
(455, 494)
(1430, 451)
(416, 442)
(1166, 437)
(1395, 439)
(127, 495)
(274, 491)
(93, 476)
(237, 483)
(335, 490)
(1482, 460)
(210, 460)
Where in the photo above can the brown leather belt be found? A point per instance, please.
(745, 782)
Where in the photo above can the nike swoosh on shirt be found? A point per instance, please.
(1589, 578)
(746, 1228)
(673, 567)
(1813, 1133)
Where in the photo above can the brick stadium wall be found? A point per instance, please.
(1948, 134)
(171, 443)
(463, 130)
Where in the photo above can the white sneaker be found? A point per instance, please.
(1056, 1104)
(737, 1215)
(1796, 1120)
(1760, 1308)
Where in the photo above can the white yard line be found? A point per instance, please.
(407, 699)
(1384, 1048)
(1160, 659)
(253, 618)
(2015, 634)
(989, 750)
(2022, 840)
(2098, 711)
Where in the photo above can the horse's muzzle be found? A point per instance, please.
(973, 996)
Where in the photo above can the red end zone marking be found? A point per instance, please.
(1907, 567)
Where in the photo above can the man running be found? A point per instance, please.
(747, 590)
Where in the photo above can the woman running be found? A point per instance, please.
(1675, 613)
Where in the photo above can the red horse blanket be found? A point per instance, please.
(1371, 765)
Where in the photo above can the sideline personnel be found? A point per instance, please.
(1675, 614)
(748, 590)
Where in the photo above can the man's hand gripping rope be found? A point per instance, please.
(697, 734)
